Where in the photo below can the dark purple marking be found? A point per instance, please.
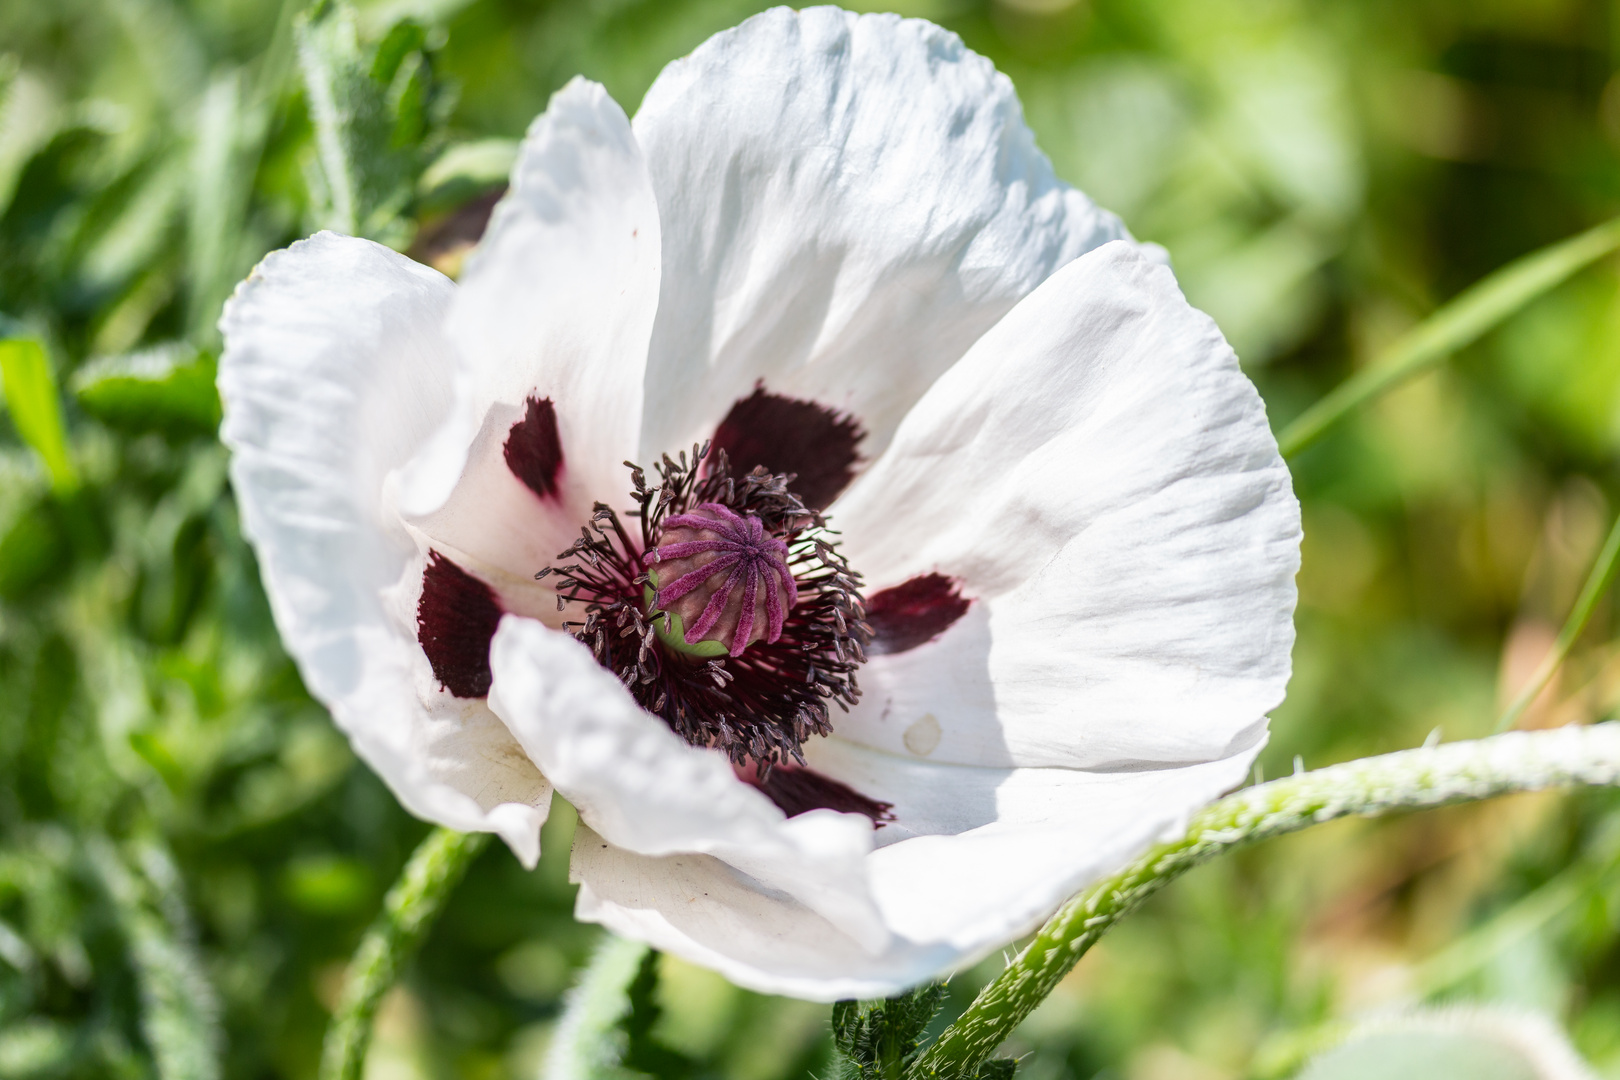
(533, 449)
(797, 791)
(787, 435)
(913, 613)
(455, 620)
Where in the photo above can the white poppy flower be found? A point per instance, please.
(828, 245)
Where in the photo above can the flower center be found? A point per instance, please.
(723, 577)
(732, 616)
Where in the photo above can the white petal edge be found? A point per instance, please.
(1099, 476)
(848, 202)
(334, 372)
(980, 856)
(702, 910)
(949, 900)
(642, 789)
(557, 302)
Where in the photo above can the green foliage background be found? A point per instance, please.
(188, 851)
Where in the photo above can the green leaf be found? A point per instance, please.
(156, 753)
(878, 1040)
(36, 409)
(404, 38)
(29, 117)
(373, 116)
(168, 388)
(1460, 1043)
(464, 171)
(642, 1052)
(34, 550)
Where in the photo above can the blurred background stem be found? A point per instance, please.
(1597, 583)
(408, 911)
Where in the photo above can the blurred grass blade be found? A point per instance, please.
(1469, 954)
(274, 65)
(409, 909)
(1369, 787)
(591, 1042)
(36, 409)
(167, 46)
(228, 132)
(1457, 324)
(1597, 583)
(179, 1011)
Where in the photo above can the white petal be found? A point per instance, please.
(701, 909)
(1012, 845)
(333, 374)
(643, 789)
(978, 856)
(1099, 476)
(557, 303)
(848, 202)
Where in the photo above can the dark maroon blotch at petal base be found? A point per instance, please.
(534, 450)
(455, 620)
(787, 435)
(798, 791)
(913, 613)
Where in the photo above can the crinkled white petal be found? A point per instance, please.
(334, 372)
(848, 202)
(703, 910)
(1099, 476)
(644, 790)
(977, 858)
(557, 303)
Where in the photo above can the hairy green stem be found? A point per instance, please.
(1598, 581)
(1459, 323)
(590, 1041)
(1408, 780)
(409, 909)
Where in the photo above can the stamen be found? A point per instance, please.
(773, 624)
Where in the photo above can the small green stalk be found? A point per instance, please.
(408, 911)
(1370, 787)
(1598, 581)
(1454, 326)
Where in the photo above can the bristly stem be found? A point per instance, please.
(1407, 780)
(1454, 326)
(409, 909)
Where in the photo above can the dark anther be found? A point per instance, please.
(761, 703)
